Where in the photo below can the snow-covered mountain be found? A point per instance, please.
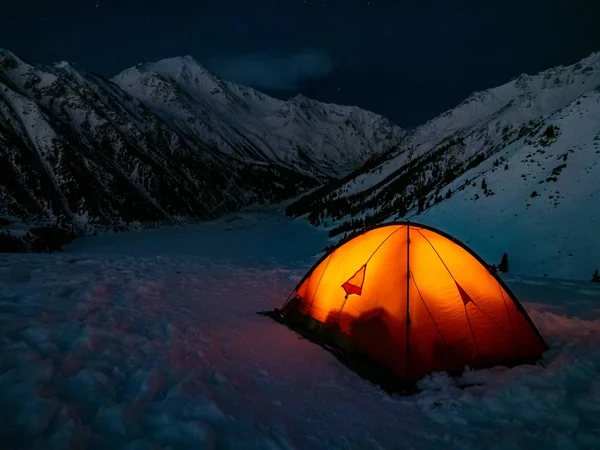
(513, 169)
(77, 149)
(301, 134)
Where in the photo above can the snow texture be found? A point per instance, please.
(150, 340)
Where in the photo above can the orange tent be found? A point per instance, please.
(415, 301)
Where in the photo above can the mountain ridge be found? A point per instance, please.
(80, 152)
(265, 128)
(425, 176)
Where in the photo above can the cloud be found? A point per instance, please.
(265, 71)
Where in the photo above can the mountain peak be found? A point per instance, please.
(6, 52)
(178, 67)
(302, 101)
(300, 98)
(8, 56)
(63, 65)
(177, 129)
(175, 67)
(179, 61)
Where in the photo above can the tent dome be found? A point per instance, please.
(416, 301)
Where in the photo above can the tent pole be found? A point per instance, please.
(288, 299)
(407, 297)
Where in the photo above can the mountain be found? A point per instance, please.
(512, 169)
(77, 151)
(314, 138)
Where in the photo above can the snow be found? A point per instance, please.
(544, 215)
(24, 72)
(36, 130)
(172, 121)
(553, 233)
(150, 340)
(514, 103)
(244, 122)
(31, 117)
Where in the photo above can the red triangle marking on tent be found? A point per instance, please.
(355, 283)
(463, 294)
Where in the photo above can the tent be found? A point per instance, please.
(406, 300)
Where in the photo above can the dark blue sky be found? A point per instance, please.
(406, 59)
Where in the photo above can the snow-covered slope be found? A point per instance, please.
(150, 340)
(535, 134)
(77, 149)
(543, 200)
(301, 134)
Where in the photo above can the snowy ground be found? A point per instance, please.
(150, 340)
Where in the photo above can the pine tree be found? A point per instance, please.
(483, 185)
(448, 194)
(421, 205)
(550, 133)
(503, 267)
(506, 167)
(596, 277)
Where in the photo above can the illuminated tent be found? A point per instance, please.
(411, 300)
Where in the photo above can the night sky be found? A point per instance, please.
(406, 59)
